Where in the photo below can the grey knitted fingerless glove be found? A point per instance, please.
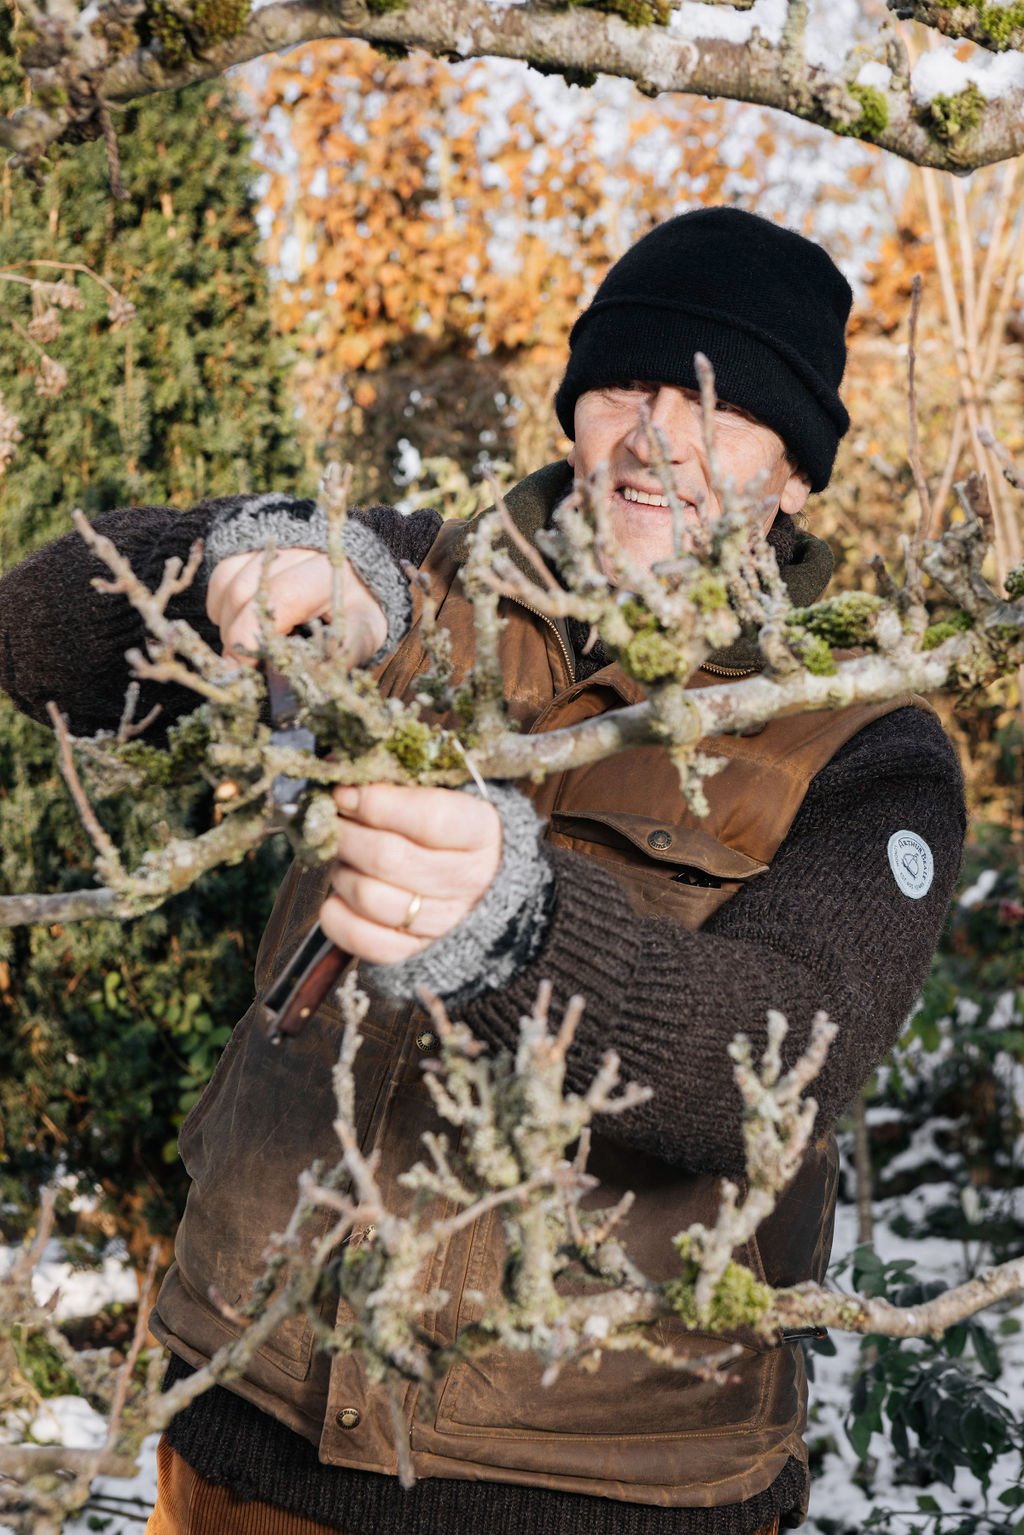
(502, 932)
(250, 522)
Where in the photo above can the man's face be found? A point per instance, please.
(610, 430)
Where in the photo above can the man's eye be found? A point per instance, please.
(723, 405)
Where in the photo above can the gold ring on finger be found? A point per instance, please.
(411, 914)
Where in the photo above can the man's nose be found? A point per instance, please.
(675, 416)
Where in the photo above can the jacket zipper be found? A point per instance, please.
(569, 664)
(728, 671)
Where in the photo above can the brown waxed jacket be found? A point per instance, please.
(635, 1430)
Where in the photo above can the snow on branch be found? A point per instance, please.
(82, 63)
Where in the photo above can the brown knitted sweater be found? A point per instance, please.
(827, 926)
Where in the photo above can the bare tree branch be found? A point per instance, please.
(77, 73)
(999, 27)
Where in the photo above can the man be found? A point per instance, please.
(678, 932)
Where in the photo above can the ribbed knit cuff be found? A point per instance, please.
(502, 932)
(254, 521)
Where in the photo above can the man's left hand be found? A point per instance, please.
(411, 864)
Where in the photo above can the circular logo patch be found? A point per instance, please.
(912, 864)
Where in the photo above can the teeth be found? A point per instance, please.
(643, 497)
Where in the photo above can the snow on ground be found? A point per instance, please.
(82, 1292)
(127, 1504)
(838, 1504)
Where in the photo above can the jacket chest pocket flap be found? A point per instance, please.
(667, 869)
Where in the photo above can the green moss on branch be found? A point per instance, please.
(937, 634)
(950, 117)
(638, 13)
(845, 620)
(191, 35)
(739, 1300)
(874, 114)
(997, 24)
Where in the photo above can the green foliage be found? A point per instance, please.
(951, 1088)
(958, 1058)
(816, 654)
(41, 1364)
(950, 117)
(191, 398)
(418, 747)
(941, 1413)
(647, 654)
(709, 594)
(1015, 583)
(650, 657)
(845, 620)
(111, 1031)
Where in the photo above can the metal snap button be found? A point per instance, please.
(425, 1040)
(660, 840)
(349, 1417)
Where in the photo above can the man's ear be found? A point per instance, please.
(794, 493)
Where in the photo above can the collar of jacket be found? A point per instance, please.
(532, 502)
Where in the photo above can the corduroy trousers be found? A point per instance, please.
(187, 1504)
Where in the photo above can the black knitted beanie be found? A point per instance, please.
(768, 307)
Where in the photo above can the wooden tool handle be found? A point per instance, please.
(303, 984)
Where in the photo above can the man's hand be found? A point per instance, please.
(397, 844)
(299, 590)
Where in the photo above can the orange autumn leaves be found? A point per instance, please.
(416, 217)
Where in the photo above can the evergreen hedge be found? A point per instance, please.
(110, 1030)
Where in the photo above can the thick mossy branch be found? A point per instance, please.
(985, 22)
(77, 75)
(661, 624)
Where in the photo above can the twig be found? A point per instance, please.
(124, 1375)
(335, 489)
(106, 123)
(28, 1258)
(708, 401)
(1012, 471)
(512, 533)
(108, 861)
(129, 728)
(68, 906)
(925, 514)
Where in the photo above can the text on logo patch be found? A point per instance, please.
(912, 864)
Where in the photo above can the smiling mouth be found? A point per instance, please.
(651, 498)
